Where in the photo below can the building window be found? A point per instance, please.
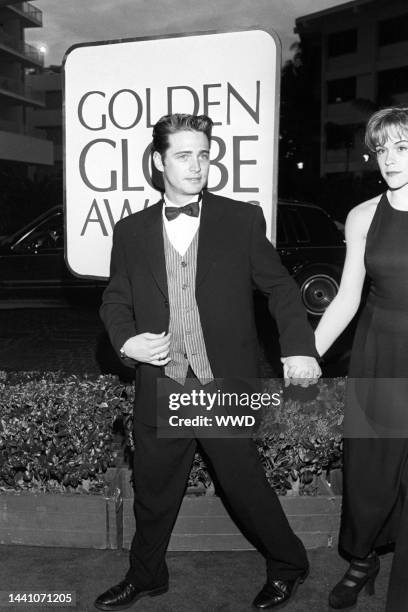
(391, 31)
(53, 99)
(341, 43)
(392, 82)
(339, 136)
(341, 90)
(53, 133)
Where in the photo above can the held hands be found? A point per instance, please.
(300, 370)
(149, 348)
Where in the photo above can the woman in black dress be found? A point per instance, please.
(375, 500)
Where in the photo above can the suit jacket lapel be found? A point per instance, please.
(154, 246)
(210, 239)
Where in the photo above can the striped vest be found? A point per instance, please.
(187, 346)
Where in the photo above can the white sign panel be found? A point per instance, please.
(116, 91)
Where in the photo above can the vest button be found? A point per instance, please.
(184, 287)
(184, 264)
(185, 355)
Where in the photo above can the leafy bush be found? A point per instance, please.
(56, 433)
(297, 440)
(302, 437)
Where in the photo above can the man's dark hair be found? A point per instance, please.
(178, 122)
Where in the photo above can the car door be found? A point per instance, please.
(34, 260)
(292, 237)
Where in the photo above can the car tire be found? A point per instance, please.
(318, 285)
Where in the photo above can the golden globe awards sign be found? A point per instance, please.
(116, 91)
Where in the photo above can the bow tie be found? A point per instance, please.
(192, 210)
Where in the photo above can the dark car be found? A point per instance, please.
(308, 241)
(32, 262)
(312, 248)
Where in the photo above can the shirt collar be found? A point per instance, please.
(197, 196)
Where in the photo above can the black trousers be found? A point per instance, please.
(161, 470)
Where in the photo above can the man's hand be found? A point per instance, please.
(149, 348)
(300, 370)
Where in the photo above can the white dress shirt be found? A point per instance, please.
(181, 230)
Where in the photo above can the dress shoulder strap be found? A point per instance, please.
(378, 215)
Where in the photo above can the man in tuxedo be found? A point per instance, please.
(179, 305)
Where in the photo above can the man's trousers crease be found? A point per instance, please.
(162, 467)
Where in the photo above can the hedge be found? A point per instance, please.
(57, 433)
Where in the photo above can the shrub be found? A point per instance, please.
(302, 437)
(297, 440)
(56, 433)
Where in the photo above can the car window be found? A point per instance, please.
(291, 227)
(45, 237)
(305, 225)
(282, 237)
(321, 227)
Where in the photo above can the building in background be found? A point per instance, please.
(23, 150)
(363, 65)
(48, 119)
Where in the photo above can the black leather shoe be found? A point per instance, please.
(124, 594)
(277, 593)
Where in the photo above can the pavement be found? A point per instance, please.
(199, 581)
(53, 336)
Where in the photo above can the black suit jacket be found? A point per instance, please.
(234, 256)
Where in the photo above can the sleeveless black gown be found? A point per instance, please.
(375, 502)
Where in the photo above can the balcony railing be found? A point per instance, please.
(22, 47)
(19, 128)
(10, 126)
(30, 10)
(21, 89)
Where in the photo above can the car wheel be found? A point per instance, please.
(318, 286)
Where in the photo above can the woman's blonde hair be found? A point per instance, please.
(384, 121)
